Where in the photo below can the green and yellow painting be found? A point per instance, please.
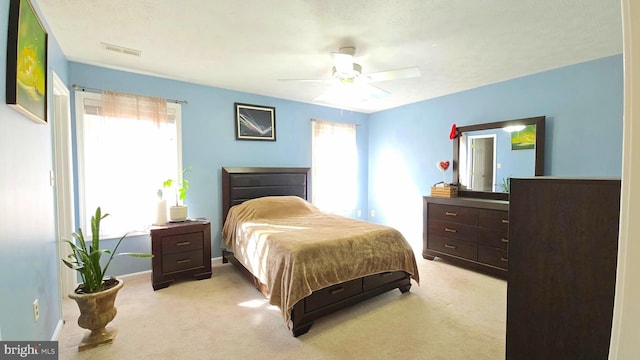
(31, 62)
(524, 139)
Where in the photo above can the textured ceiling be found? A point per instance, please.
(249, 45)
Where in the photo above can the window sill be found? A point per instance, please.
(129, 234)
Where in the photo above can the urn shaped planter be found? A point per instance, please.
(96, 311)
(97, 293)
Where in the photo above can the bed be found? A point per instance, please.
(306, 262)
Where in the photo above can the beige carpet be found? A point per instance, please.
(454, 314)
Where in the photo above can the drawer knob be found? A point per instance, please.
(183, 243)
(504, 259)
(505, 221)
(450, 246)
(336, 291)
(504, 240)
(450, 213)
(183, 261)
(450, 230)
(385, 274)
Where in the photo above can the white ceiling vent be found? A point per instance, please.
(120, 49)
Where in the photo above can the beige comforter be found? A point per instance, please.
(294, 249)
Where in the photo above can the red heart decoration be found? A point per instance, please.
(443, 165)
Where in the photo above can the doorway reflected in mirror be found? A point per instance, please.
(485, 158)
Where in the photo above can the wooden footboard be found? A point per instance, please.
(328, 300)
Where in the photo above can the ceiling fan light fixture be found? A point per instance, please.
(347, 77)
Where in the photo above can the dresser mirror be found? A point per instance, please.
(486, 156)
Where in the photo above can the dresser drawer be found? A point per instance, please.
(453, 230)
(452, 213)
(181, 261)
(460, 248)
(493, 219)
(493, 256)
(373, 281)
(328, 295)
(182, 242)
(494, 238)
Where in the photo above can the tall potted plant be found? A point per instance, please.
(96, 294)
(178, 212)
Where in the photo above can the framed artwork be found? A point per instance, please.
(27, 62)
(255, 122)
(524, 139)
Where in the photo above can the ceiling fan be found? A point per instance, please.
(352, 83)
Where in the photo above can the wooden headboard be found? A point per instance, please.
(244, 183)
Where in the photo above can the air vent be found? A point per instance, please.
(121, 49)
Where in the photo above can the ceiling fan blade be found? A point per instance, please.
(374, 92)
(310, 80)
(397, 74)
(343, 63)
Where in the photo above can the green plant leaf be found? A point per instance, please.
(87, 261)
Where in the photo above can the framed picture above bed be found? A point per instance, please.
(255, 122)
(27, 62)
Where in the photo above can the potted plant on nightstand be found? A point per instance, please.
(178, 212)
(96, 295)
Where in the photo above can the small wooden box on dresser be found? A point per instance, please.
(469, 231)
(180, 250)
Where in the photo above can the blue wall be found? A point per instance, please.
(208, 141)
(398, 151)
(583, 104)
(28, 251)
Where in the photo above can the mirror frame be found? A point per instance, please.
(538, 121)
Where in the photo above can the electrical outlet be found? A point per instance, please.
(373, 213)
(36, 310)
(359, 213)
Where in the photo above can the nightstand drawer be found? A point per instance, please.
(328, 295)
(452, 213)
(493, 256)
(453, 230)
(181, 242)
(181, 261)
(460, 248)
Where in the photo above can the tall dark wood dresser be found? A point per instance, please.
(563, 244)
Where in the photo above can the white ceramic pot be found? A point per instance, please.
(178, 213)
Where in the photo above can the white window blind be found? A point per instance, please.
(123, 160)
(334, 169)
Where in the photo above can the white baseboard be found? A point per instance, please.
(148, 272)
(56, 333)
(136, 274)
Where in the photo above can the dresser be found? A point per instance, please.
(180, 250)
(467, 231)
(563, 253)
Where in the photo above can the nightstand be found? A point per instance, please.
(180, 250)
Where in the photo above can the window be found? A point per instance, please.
(123, 160)
(334, 171)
